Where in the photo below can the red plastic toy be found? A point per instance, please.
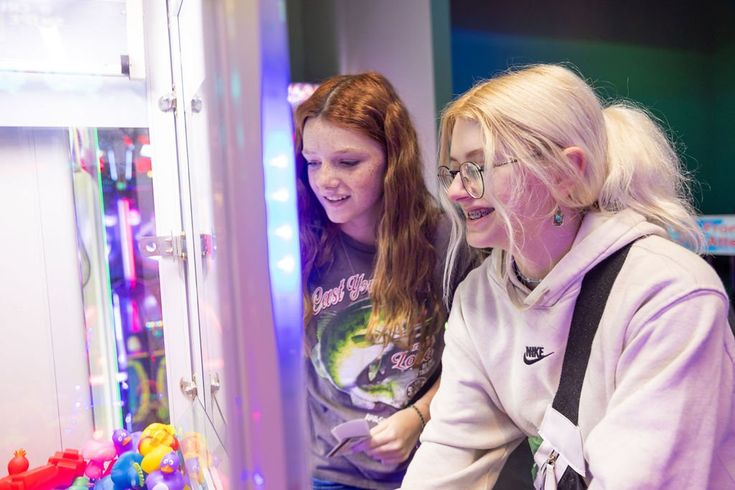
(19, 463)
(61, 470)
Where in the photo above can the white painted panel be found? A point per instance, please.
(42, 357)
(63, 284)
(34, 100)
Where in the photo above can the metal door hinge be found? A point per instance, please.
(163, 246)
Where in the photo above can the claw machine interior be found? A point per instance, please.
(150, 302)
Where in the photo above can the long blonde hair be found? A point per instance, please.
(403, 292)
(534, 113)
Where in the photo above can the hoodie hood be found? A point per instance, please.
(599, 235)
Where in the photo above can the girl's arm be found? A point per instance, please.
(394, 438)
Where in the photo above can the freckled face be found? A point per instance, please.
(346, 170)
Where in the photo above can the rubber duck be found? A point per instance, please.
(168, 477)
(126, 472)
(157, 434)
(152, 459)
(156, 442)
(194, 451)
(122, 440)
(194, 470)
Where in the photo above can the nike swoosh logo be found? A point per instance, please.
(536, 359)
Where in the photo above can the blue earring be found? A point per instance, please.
(558, 218)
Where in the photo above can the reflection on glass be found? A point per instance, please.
(114, 200)
(47, 36)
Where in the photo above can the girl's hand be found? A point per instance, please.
(393, 439)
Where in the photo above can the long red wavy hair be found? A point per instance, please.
(406, 300)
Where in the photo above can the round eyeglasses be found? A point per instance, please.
(471, 174)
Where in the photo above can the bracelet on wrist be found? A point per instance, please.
(421, 416)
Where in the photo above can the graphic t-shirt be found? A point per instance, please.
(350, 377)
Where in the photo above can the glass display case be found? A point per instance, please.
(154, 315)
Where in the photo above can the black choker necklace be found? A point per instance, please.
(526, 281)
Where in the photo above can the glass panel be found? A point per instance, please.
(94, 210)
(114, 202)
(43, 36)
(86, 357)
(204, 307)
(205, 452)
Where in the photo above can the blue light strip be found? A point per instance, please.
(283, 227)
(283, 235)
(280, 186)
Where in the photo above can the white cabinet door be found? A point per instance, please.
(197, 193)
(230, 66)
(205, 412)
(170, 212)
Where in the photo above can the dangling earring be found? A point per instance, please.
(558, 218)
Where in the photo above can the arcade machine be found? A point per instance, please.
(149, 429)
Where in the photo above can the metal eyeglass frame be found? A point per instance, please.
(446, 176)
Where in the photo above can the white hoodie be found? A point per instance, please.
(657, 409)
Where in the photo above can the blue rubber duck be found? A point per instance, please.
(126, 472)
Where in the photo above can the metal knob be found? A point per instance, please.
(167, 102)
(215, 384)
(189, 388)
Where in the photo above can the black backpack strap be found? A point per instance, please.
(591, 301)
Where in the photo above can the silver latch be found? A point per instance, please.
(215, 384)
(167, 103)
(189, 388)
(163, 246)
